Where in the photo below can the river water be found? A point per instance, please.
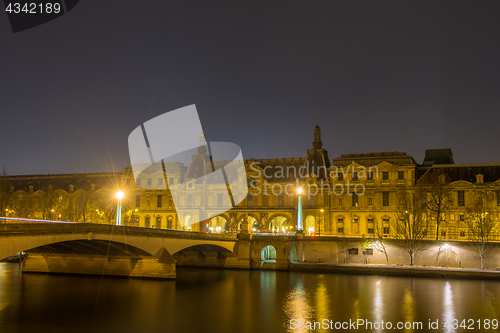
(211, 300)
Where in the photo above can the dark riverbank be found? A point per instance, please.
(420, 271)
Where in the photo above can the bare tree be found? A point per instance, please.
(435, 189)
(409, 225)
(19, 203)
(47, 199)
(379, 242)
(81, 206)
(5, 192)
(481, 223)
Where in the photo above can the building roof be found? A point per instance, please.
(438, 156)
(467, 172)
(371, 159)
(63, 181)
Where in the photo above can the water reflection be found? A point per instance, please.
(227, 301)
(297, 308)
(408, 307)
(448, 308)
(322, 305)
(378, 305)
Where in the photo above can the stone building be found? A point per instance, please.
(351, 195)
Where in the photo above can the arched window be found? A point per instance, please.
(158, 222)
(169, 222)
(147, 222)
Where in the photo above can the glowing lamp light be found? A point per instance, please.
(299, 190)
(119, 194)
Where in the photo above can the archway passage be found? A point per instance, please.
(252, 223)
(310, 224)
(218, 225)
(280, 224)
(268, 253)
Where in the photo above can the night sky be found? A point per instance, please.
(381, 75)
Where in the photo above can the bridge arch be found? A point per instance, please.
(148, 240)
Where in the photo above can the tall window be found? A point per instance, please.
(137, 201)
(169, 222)
(138, 181)
(370, 175)
(311, 200)
(281, 200)
(250, 200)
(160, 181)
(265, 200)
(190, 200)
(59, 203)
(385, 175)
(340, 225)
(340, 176)
(149, 181)
(354, 200)
(401, 175)
(385, 225)
(159, 200)
(354, 176)
(370, 226)
(385, 199)
(461, 198)
(170, 181)
(158, 222)
(147, 222)
(219, 200)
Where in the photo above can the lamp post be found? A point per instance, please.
(300, 228)
(119, 196)
(319, 223)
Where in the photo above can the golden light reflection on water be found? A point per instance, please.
(448, 308)
(5, 285)
(322, 300)
(408, 307)
(378, 305)
(297, 307)
(490, 305)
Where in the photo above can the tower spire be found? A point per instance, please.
(317, 143)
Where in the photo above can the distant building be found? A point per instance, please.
(351, 195)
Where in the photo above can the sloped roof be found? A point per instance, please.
(467, 172)
(371, 159)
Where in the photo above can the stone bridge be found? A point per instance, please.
(84, 248)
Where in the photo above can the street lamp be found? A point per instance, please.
(119, 196)
(299, 211)
(319, 223)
